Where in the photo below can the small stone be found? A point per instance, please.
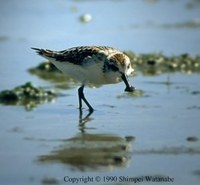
(192, 139)
(119, 159)
(86, 18)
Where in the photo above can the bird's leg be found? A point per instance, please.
(80, 93)
(82, 97)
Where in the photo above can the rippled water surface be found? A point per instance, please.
(153, 132)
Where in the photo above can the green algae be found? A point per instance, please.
(27, 95)
(158, 63)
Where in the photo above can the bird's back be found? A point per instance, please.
(76, 55)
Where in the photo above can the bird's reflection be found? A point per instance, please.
(84, 119)
(92, 152)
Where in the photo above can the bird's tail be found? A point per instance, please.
(44, 52)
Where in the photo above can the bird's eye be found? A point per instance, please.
(114, 68)
(129, 65)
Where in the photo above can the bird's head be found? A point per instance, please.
(121, 63)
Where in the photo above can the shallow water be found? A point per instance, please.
(128, 135)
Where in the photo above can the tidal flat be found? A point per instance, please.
(153, 132)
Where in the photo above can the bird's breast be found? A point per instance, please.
(91, 73)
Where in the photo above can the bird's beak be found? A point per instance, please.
(129, 87)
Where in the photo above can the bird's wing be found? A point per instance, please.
(76, 55)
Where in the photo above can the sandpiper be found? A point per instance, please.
(97, 65)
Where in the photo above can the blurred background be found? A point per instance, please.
(153, 132)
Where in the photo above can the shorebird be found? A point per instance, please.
(97, 65)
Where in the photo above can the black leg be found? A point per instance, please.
(82, 97)
(80, 92)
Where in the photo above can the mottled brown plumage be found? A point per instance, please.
(77, 55)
